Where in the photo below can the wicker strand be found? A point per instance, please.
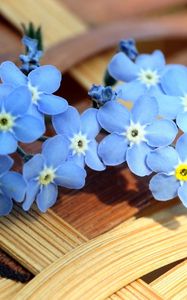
(104, 265)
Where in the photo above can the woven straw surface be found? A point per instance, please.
(110, 240)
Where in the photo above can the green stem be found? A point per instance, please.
(43, 138)
(23, 154)
(108, 79)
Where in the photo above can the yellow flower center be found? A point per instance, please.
(184, 102)
(6, 122)
(148, 77)
(135, 133)
(46, 176)
(181, 172)
(79, 144)
(35, 93)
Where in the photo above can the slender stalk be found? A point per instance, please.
(21, 152)
(43, 138)
(25, 156)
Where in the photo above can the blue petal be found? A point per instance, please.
(112, 149)
(28, 129)
(122, 68)
(8, 143)
(92, 159)
(182, 193)
(164, 187)
(67, 122)
(31, 192)
(77, 159)
(181, 147)
(131, 91)
(144, 110)
(163, 160)
(52, 105)
(70, 176)
(14, 185)
(5, 90)
(152, 61)
(174, 81)
(47, 197)
(113, 117)
(169, 106)
(33, 167)
(89, 123)
(161, 133)
(6, 205)
(55, 150)
(18, 101)
(34, 112)
(5, 163)
(11, 74)
(136, 159)
(46, 78)
(182, 121)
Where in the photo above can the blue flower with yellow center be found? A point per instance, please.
(81, 131)
(143, 77)
(133, 134)
(174, 83)
(171, 166)
(12, 186)
(15, 122)
(41, 83)
(45, 171)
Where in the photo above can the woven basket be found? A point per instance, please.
(110, 240)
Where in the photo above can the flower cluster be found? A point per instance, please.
(145, 137)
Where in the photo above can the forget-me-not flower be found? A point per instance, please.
(81, 132)
(15, 124)
(174, 83)
(141, 77)
(41, 82)
(30, 60)
(101, 94)
(171, 166)
(12, 186)
(133, 134)
(45, 171)
(129, 48)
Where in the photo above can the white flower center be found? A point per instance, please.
(184, 102)
(135, 133)
(6, 121)
(47, 176)
(79, 144)
(149, 77)
(35, 93)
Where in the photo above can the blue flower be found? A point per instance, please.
(31, 59)
(128, 47)
(81, 132)
(133, 134)
(12, 186)
(101, 94)
(171, 166)
(45, 171)
(141, 77)
(174, 83)
(15, 124)
(41, 83)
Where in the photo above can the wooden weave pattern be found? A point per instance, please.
(76, 251)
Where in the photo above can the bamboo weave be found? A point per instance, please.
(110, 265)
